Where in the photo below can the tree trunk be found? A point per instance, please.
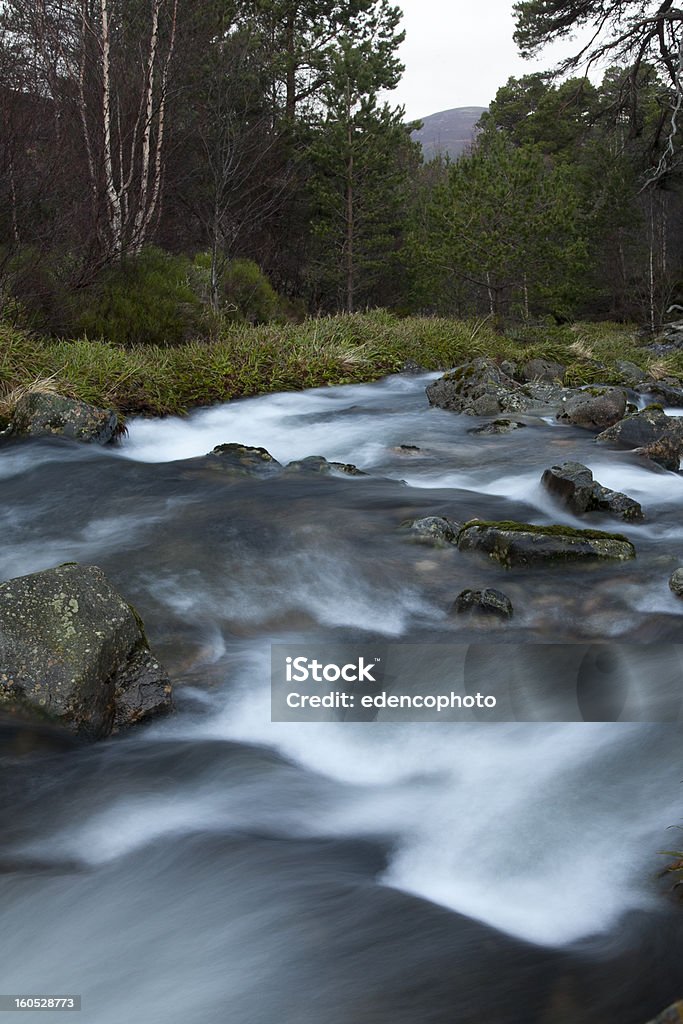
(349, 224)
(290, 84)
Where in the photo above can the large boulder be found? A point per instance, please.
(42, 414)
(573, 484)
(74, 653)
(478, 388)
(594, 408)
(643, 428)
(513, 544)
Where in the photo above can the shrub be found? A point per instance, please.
(143, 300)
(34, 290)
(245, 293)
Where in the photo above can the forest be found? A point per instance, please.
(169, 168)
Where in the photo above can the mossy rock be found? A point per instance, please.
(478, 388)
(524, 544)
(242, 460)
(42, 414)
(74, 653)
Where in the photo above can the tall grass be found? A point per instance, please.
(246, 360)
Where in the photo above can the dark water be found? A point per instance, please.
(219, 867)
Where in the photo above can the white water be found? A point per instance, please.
(546, 832)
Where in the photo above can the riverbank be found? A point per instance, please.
(346, 349)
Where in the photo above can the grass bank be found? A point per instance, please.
(334, 350)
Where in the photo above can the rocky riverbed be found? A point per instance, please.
(381, 872)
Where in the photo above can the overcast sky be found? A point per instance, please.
(458, 52)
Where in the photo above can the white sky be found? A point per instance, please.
(457, 53)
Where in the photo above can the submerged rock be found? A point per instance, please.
(20, 736)
(643, 428)
(573, 484)
(498, 427)
(525, 544)
(242, 460)
(42, 414)
(73, 652)
(320, 465)
(437, 530)
(594, 408)
(407, 449)
(478, 388)
(676, 582)
(486, 602)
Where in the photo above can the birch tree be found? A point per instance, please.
(104, 68)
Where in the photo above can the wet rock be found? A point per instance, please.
(672, 1015)
(676, 582)
(74, 653)
(41, 414)
(317, 464)
(573, 484)
(665, 453)
(478, 388)
(487, 602)
(594, 408)
(497, 427)
(644, 428)
(669, 392)
(545, 371)
(511, 543)
(242, 460)
(436, 530)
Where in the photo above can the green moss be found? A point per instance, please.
(655, 406)
(554, 530)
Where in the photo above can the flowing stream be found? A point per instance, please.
(217, 867)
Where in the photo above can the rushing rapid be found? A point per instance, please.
(217, 866)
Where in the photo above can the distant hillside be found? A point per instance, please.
(449, 131)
